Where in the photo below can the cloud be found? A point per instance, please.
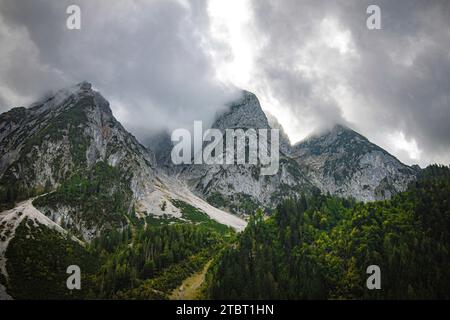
(147, 58)
(320, 64)
(312, 63)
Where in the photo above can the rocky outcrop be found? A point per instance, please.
(341, 162)
(241, 188)
(344, 163)
(68, 131)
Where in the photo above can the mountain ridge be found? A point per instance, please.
(345, 163)
(71, 144)
(240, 187)
(316, 159)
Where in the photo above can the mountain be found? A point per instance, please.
(71, 141)
(285, 143)
(320, 247)
(75, 185)
(67, 132)
(340, 161)
(344, 163)
(89, 172)
(241, 188)
(72, 178)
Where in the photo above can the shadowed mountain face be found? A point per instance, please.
(70, 131)
(72, 143)
(70, 175)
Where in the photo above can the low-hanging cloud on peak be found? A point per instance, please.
(312, 63)
(322, 65)
(147, 58)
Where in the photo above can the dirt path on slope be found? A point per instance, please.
(190, 288)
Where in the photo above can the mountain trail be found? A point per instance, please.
(190, 288)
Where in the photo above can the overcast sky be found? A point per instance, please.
(166, 63)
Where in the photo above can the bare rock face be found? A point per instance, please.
(245, 113)
(341, 162)
(71, 130)
(71, 140)
(344, 163)
(241, 188)
(285, 143)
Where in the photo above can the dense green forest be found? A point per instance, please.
(145, 261)
(153, 262)
(311, 247)
(319, 247)
(38, 258)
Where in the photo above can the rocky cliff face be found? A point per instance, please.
(341, 162)
(285, 143)
(69, 131)
(240, 187)
(347, 164)
(71, 142)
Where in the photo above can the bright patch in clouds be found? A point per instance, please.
(311, 63)
(229, 21)
(335, 37)
(401, 145)
(231, 26)
(237, 48)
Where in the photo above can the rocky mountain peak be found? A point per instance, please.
(285, 143)
(84, 85)
(70, 130)
(333, 134)
(244, 113)
(239, 187)
(339, 139)
(83, 169)
(345, 163)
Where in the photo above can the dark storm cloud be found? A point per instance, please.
(406, 72)
(146, 57)
(290, 28)
(316, 58)
(400, 75)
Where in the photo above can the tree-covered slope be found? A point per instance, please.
(320, 247)
(144, 261)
